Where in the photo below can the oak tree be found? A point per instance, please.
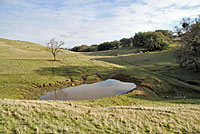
(54, 47)
(189, 51)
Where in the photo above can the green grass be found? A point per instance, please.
(24, 65)
(163, 101)
(160, 65)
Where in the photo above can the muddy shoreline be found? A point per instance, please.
(44, 88)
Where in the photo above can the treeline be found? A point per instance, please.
(151, 41)
(85, 48)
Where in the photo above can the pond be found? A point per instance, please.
(109, 87)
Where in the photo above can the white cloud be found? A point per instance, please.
(88, 22)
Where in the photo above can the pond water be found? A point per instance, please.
(109, 87)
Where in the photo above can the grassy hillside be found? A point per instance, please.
(166, 99)
(25, 66)
(161, 66)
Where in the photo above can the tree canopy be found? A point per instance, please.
(84, 48)
(189, 51)
(107, 46)
(150, 40)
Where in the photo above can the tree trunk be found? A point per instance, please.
(54, 56)
(181, 64)
(196, 65)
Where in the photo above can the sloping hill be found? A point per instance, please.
(25, 66)
(161, 66)
(166, 99)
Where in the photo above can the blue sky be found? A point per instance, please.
(89, 21)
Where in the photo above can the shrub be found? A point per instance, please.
(84, 48)
(106, 46)
(125, 42)
(150, 40)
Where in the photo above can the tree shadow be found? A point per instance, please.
(140, 59)
(116, 52)
(32, 59)
(168, 100)
(74, 70)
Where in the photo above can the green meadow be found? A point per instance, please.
(166, 99)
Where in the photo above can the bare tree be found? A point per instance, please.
(54, 47)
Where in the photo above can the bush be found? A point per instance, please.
(107, 46)
(84, 48)
(150, 40)
(168, 36)
(125, 42)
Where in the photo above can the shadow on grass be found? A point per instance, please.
(124, 100)
(36, 59)
(167, 100)
(141, 59)
(174, 94)
(116, 52)
(74, 70)
(182, 101)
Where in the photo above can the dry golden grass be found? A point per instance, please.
(20, 116)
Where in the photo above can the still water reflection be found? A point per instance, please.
(100, 89)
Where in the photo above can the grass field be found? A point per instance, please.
(25, 66)
(80, 117)
(166, 99)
